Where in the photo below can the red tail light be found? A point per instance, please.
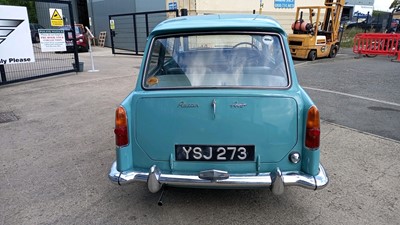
(121, 127)
(312, 128)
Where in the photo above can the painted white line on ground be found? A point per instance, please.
(299, 64)
(353, 96)
(360, 131)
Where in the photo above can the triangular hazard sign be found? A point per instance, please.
(56, 15)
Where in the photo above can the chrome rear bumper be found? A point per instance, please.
(275, 180)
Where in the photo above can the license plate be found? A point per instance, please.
(214, 152)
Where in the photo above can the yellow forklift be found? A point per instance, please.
(316, 38)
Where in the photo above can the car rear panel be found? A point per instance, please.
(269, 123)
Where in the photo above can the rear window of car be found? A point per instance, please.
(77, 29)
(216, 60)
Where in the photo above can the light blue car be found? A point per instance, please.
(217, 105)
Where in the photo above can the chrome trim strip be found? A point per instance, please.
(214, 106)
(275, 180)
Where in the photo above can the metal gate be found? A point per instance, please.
(129, 31)
(46, 63)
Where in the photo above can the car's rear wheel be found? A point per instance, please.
(85, 49)
(37, 39)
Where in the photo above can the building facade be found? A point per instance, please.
(282, 10)
(95, 13)
(356, 10)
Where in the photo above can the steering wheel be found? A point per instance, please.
(315, 24)
(245, 43)
(245, 56)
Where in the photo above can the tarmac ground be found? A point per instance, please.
(56, 155)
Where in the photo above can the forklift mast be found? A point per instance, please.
(327, 15)
(333, 13)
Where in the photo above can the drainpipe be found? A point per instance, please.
(92, 26)
(261, 6)
(195, 7)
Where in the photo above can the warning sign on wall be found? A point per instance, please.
(112, 25)
(56, 17)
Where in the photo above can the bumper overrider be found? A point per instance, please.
(275, 180)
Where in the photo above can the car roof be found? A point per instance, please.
(220, 22)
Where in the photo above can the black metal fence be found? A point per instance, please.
(46, 63)
(378, 23)
(129, 31)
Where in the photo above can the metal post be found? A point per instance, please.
(90, 50)
(366, 23)
(146, 17)
(135, 33)
(92, 26)
(71, 15)
(3, 75)
(379, 21)
(341, 30)
(112, 34)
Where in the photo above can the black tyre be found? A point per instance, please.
(333, 51)
(312, 55)
(371, 55)
(85, 49)
(37, 39)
